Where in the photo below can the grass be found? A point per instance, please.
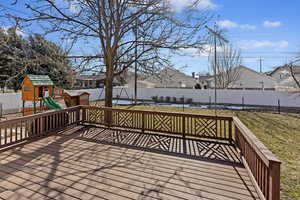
(279, 132)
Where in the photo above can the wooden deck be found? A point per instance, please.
(97, 163)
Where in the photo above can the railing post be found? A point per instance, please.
(230, 132)
(183, 127)
(78, 115)
(236, 138)
(83, 114)
(143, 122)
(274, 180)
(108, 117)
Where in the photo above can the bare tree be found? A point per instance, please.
(293, 74)
(121, 32)
(228, 61)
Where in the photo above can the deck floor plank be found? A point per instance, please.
(98, 163)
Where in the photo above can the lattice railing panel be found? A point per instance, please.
(205, 127)
(172, 123)
(96, 115)
(162, 123)
(124, 119)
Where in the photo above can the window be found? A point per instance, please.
(27, 88)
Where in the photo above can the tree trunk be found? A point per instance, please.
(109, 90)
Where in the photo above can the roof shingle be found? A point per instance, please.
(39, 80)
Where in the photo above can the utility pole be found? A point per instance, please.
(221, 38)
(260, 65)
(135, 63)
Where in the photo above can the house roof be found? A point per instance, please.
(40, 80)
(170, 77)
(76, 93)
(285, 67)
(263, 75)
(94, 77)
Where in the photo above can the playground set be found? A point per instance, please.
(40, 89)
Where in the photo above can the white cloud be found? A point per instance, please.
(196, 53)
(256, 44)
(207, 4)
(231, 24)
(179, 5)
(227, 24)
(271, 24)
(248, 27)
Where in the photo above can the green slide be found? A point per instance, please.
(51, 103)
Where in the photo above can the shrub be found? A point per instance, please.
(161, 99)
(189, 101)
(181, 99)
(154, 98)
(174, 100)
(168, 99)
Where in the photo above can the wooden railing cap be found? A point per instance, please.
(34, 116)
(160, 112)
(266, 155)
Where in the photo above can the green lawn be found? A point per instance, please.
(280, 133)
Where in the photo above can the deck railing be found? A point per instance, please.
(178, 124)
(263, 166)
(25, 128)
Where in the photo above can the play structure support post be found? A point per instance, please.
(34, 103)
(23, 108)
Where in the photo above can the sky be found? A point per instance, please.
(259, 28)
(266, 29)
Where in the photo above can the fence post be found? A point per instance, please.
(183, 103)
(209, 101)
(279, 106)
(243, 103)
(274, 180)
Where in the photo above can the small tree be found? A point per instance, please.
(228, 61)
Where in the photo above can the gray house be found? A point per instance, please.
(90, 81)
(171, 78)
(249, 79)
(85, 81)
